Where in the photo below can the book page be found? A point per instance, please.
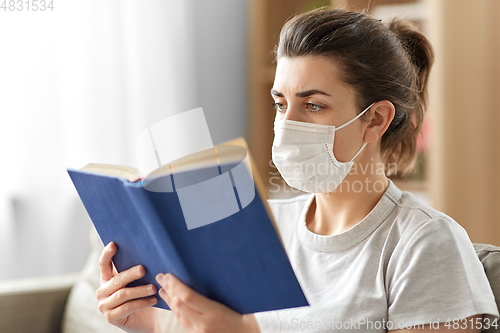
(129, 173)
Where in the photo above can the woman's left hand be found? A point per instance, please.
(199, 314)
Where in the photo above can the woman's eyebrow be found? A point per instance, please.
(275, 92)
(302, 94)
(308, 93)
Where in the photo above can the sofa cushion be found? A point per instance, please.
(34, 304)
(489, 255)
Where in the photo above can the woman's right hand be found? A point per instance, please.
(127, 308)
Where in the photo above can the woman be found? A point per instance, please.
(350, 94)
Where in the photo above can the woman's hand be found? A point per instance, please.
(199, 314)
(121, 305)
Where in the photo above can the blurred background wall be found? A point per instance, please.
(78, 83)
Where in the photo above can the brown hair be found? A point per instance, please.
(380, 61)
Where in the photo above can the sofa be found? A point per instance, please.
(58, 304)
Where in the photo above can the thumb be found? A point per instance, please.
(105, 264)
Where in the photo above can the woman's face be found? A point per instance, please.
(309, 89)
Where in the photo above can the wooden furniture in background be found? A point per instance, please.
(465, 152)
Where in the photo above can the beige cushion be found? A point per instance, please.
(81, 314)
(489, 255)
(34, 304)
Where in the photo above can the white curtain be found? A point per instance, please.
(77, 84)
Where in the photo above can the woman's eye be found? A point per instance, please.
(314, 107)
(279, 107)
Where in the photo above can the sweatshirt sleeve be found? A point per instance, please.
(434, 275)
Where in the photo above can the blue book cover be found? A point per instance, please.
(233, 256)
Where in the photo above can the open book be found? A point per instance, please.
(203, 218)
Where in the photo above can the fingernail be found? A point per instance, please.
(153, 300)
(149, 288)
(162, 278)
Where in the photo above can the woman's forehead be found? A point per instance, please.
(308, 73)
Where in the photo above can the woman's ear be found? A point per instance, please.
(381, 115)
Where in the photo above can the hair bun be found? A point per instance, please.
(418, 47)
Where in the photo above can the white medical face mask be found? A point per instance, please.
(303, 154)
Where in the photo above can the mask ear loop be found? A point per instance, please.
(353, 119)
(359, 151)
(350, 121)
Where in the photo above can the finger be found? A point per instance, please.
(184, 320)
(127, 294)
(105, 263)
(179, 308)
(117, 314)
(196, 301)
(119, 281)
